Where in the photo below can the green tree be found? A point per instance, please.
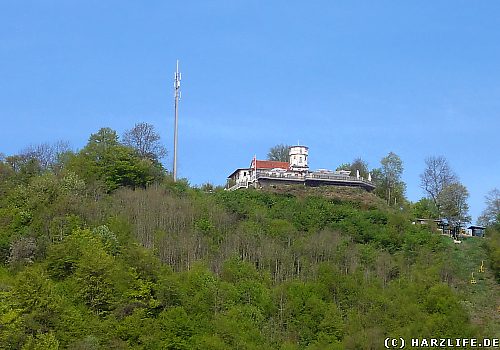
(331, 328)
(425, 209)
(104, 139)
(42, 341)
(493, 242)
(280, 153)
(360, 165)
(24, 167)
(6, 177)
(388, 179)
(454, 206)
(357, 164)
(105, 160)
(344, 166)
(177, 328)
(95, 273)
(436, 176)
(36, 300)
(121, 167)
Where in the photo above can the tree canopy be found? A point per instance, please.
(280, 153)
(436, 176)
(357, 164)
(144, 139)
(425, 209)
(105, 160)
(491, 214)
(388, 179)
(453, 201)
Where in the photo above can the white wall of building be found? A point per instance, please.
(298, 157)
(243, 175)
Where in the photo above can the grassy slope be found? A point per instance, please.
(340, 194)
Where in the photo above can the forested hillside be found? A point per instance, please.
(99, 249)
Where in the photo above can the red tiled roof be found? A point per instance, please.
(270, 164)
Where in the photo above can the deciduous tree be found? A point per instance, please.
(104, 159)
(357, 164)
(436, 176)
(425, 208)
(388, 179)
(360, 165)
(145, 140)
(23, 166)
(280, 153)
(344, 166)
(453, 201)
(491, 214)
(46, 154)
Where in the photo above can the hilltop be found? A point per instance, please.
(100, 249)
(171, 266)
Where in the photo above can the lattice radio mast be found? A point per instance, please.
(177, 97)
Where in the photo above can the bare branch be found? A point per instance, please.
(436, 176)
(146, 141)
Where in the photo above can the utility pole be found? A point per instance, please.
(177, 96)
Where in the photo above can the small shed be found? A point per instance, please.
(477, 231)
(443, 226)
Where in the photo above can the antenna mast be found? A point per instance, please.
(177, 96)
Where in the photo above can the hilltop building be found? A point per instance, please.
(477, 231)
(262, 173)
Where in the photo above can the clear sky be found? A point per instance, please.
(346, 78)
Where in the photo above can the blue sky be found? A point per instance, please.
(347, 78)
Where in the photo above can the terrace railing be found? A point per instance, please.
(313, 176)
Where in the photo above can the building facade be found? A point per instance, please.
(262, 173)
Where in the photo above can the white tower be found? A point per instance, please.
(298, 158)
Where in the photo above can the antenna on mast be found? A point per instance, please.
(177, 96)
